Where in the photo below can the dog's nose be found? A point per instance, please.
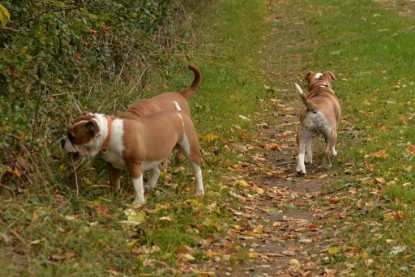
(63, 142)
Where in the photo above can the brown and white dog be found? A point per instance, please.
(140, 138)
(321, 115)
(136, 144)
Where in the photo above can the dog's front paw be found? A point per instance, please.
(300, 169)
(138, 202)
(326, 164)
(200, 192)
(301, 173)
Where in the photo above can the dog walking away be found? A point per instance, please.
(134, 143)
(320, 115)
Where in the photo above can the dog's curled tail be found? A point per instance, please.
(187, 92)
(307, 103)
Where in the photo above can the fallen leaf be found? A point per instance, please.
(334, 200)
(396, 250)
(61, 257)
(133, 217)
(333, 250)
(166, 218)
(379, 154)
(210, 137)
(411, 149)
(186, 257)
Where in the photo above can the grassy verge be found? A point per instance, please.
(369, 47)
(48, 230)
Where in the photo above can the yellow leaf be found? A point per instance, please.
(380, 180)
(87, 181)
(333, 250)
(379, 154)
(4, 15)
(187, 257)
(391, 183)
(258, 190)
(295, 263)
(253, 254)
(259, 229)
(166, 218)
(132, 243)
(16, 171)
(133, 217)
(241, 183)
(62, 168)
(210, 137)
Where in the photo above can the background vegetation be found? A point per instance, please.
(58, 58)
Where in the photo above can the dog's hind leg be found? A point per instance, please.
(197, 171)
(190, 148)
(328, 152)
(304, 139)
(151, 184)
(333, 148)
(308, 159)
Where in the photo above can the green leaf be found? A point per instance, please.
(4, 15)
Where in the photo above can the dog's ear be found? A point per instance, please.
(329, 74)
(309, 75)
(92, 128)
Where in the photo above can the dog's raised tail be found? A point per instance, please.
(187, 92)
(307, 103)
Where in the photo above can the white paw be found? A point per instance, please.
(308, 160)
(301, 169)
(200, 192)
(149, 187)
(138, 202)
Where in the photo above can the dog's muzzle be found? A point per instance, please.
(68, 147)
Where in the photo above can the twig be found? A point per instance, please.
(9, 29)
(54, 11)
(76, 105)
(138, 80)
(333, 191)
(284, 163)
(76, 176)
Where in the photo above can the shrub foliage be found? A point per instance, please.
(50, 50)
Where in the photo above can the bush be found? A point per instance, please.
(52, 54)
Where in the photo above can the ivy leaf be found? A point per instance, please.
(4, 15)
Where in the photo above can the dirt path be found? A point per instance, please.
(283, 224)
(287, 223)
